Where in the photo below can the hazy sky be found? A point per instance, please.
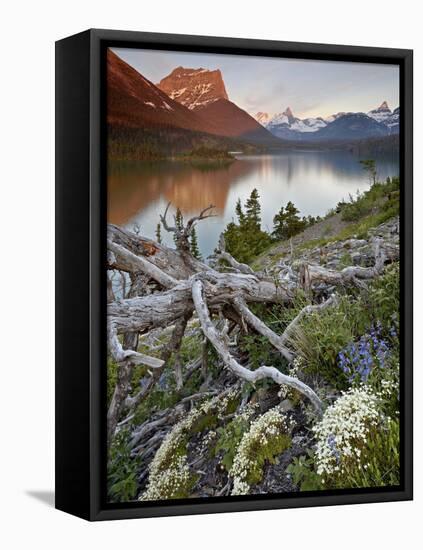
(310, 88)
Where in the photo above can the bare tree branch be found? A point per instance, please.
(307, 310)
(202, 216)
(121, 355)
(127, 261)
(251, 376)
(258, 325)
(222, 254)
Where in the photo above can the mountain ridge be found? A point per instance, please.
(204, 93)
(286, 125)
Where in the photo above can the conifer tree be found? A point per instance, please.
(239, 212)
(247, 240)
(287, 222)
(195, 250)
(253, 210)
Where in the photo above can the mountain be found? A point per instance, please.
(135, 102)
(286, 126)
(340, 126)
(384, 114)
(203, 93)
(194, 88)
(262, 118)
(352, 126)
(333, 117)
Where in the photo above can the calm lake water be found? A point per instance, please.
(314, 181)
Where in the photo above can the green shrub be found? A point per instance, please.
(380, 195)
(112, 372)
(122, 470)
(320, 336)
(304, 474)
(229, 439)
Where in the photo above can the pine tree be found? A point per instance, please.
(279, 225)
(239, 212)
(159, 233)
(287, 222)
(195, 250)
(247, 240)
(253, 210)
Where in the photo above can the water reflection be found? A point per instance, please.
(134, 186)
(314, 181)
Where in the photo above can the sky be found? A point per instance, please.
(310, 88)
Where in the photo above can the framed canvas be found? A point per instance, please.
(234, 274)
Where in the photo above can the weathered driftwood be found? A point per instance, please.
(167, 285)
(351, 275)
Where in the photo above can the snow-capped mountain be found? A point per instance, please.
(342, 125)
(287, 126)
(384, 115)
(352, 126)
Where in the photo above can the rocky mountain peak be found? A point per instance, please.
(288, 112)
(194, 88)
(262, 117)
(383, 107)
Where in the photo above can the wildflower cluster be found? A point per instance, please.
(286, 392)
(267, 437)
(358, 359)
(169, 473)
(343, 432)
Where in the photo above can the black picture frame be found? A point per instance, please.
(80, 272)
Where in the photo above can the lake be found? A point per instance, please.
(314, 181)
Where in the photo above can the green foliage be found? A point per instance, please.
(229, 439)
(164, 396)
(382, 302)
(245, 239)
(287, 222)
(258, 350)
(209, 153)
(379, 464)
(122, 470)
(112, 374)
(195, 251)
(369, 166)
(345, 260)
(266, 453)
(253, 211)
(277, 317)
(384, 196)
(204, 422)
(143, 144)
(179, 222)
(303, 473)
(321, 336)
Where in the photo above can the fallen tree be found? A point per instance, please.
(167, 287)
